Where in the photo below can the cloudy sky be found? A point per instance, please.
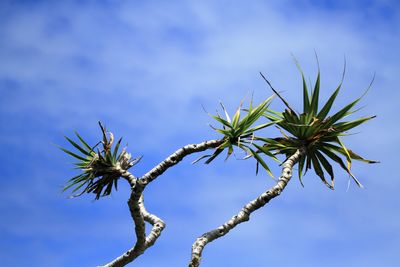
(146, 68)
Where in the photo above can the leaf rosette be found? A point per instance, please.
(317, 131)
(101, 168)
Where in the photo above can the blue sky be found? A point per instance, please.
(146, 68)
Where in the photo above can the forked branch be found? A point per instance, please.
(140, 215)
(244, 214)
(136, 203)
(136, 208)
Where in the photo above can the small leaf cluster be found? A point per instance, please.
(101, 168)
(240, 132)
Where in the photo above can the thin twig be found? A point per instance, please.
(276, 92)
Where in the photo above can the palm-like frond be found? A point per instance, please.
(239, 131)
(319, 133)
(101, 169)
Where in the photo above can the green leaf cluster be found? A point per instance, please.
(101, 169)
(240, 132)
(317, 131)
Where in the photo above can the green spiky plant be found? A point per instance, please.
(101, 169)
(240, 132)
(317, 131)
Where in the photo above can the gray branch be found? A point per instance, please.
(244, 214)
(127, 176)
(135, 207)
(176, 157)
(143, 242)
(157, 223)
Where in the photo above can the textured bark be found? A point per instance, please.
(244, 214)
(157, 223)
(129, 177)
(176, 157)
(140, 231)
(139, 215)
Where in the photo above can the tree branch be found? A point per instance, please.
(244, 214)
(139, 215)
(128, 176)
(175, 157)
(140, 231)
(157, 223)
